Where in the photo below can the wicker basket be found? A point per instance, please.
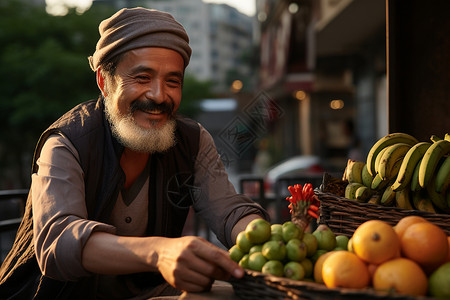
(343, 215)
(259, 286)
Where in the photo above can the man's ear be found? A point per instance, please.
(101, 82)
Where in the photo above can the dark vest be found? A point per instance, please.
(171, 176)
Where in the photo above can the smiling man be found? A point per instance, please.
(113, 180)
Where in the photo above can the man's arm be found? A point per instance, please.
(224, 210)
(188, 263)
(241, 225)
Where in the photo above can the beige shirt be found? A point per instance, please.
(61, 227)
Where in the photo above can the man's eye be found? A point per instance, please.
(142, 77)
(174, 81)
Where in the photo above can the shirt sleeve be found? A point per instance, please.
(217, 201)
(61, 227)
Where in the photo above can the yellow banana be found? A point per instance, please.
(392, 159)
(442, 180)
(366, 177)
(388, 196)
(378, 159)
(435, 138)
(354, 171)
(447, 137)
(363, 194)
(425, 204)
(415, 177)
(378, 183)
(344, 174)
(375, 199)
(350, 190)
(390, 139)
(412, 157)
(430, 160)
(402, 199)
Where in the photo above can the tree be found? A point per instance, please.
(44, 72)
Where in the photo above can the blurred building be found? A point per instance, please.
(220, 36)
(323, 62)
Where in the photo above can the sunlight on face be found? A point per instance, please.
(133, 136)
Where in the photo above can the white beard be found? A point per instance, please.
(136, 138)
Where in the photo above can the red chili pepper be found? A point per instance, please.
(313, 214)
(313, 207)
(293, 193)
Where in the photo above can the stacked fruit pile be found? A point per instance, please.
(412, 258)
(284, 250)
(401, 171)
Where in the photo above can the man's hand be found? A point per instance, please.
(187, 263)
(192, 264)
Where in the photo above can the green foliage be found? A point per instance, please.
(44, 72)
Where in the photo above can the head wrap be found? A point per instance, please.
(139, 27)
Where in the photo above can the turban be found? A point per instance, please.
(139, 27)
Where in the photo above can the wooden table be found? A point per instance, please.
(221, 290)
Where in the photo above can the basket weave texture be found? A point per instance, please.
(343, 215)
(259, 286)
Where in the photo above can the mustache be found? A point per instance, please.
(148, 105)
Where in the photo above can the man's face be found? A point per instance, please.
(143, 96)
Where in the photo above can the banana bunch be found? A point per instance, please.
(404, 172)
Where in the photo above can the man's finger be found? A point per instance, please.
(220, 258)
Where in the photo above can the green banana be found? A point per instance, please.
(392, 159)
(430, 160)
(385, 141)
(366, 177)
(402, 199)
(378, 183)
(363, 193)
(425, 204)
(350, 190)
(354, 171)
(388, 196)
(438, 199)
(415, 177)
(442, 180)
(422, 201)
(412, 157)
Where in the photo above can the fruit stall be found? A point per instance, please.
(382, 231)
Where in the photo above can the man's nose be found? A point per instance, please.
(155, 91)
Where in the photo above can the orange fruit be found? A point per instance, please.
(426, 244)
(400, 275)
(375, 241)
(405, 222)
(318, 266)
(345, 269)
(372, 268)
(448, 255)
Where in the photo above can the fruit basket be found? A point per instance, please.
(258, 286)
(344, 215)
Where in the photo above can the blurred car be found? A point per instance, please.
(273, 184)
(298, 169)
